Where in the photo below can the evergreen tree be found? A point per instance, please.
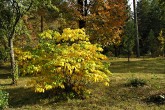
(152, 43)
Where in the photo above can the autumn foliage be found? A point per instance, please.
(106, 20)
(67, 61)
(103, 20)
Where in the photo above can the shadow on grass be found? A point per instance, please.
(5, 76)
(4, 72)
(7, 67)
(19, 97)
(22, 95)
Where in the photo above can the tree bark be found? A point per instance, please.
(164, 49)
(136, 28)
(83, 10)
(42, 23)
(116, 53)
(129, 56)
(81, 24)
(13, 64)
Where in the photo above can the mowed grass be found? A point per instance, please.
(117, 96)
(138, 65)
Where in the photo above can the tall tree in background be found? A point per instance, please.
(42, 7)
(143, 9)
(129, 38)
(155, 15)
(150, 17)
(82, 4)
(161, 39)
(136, 27)
(106, 21)
(152, 43)
(162, 6)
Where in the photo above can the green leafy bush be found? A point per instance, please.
(4, 96)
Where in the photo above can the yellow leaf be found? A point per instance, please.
(39, 89)
(106, 84)
(48, 87)
(62, 86)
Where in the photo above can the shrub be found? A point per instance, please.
(67, 61)
(156, 98)
(4, 96)
(136, 82)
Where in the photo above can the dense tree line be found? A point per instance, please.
(151, 22)
(151, 28)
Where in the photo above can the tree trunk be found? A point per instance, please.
(42, 23)
(164, 50)
(129, 56)
(81, 24)
(136, 28)
(13, 64)
(116, 54)
(83, 10)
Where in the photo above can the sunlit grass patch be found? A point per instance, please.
(141, 65)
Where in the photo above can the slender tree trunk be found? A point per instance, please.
(83, 10)
(42, 23)
(81, 24)
(116, 54)
(13, 64)
(128, 56)
(164, 51)
(136, 28)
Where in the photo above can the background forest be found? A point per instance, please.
(106, 23)
(64, 46)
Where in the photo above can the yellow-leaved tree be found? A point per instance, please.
(67, 61)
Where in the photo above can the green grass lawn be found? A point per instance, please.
(117, 96)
